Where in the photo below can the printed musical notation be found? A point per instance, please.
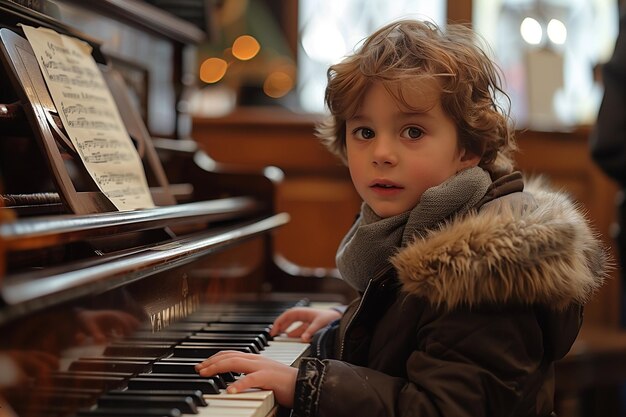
(102, 151)
(51, 64)
(89, 146)
(90, 117)
(79, 109)
(124, 186)
(116, 178)
(85, 123)
(65, 80)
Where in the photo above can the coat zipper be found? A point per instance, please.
(343, 337)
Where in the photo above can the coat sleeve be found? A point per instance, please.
(323, 342)
(470, 364)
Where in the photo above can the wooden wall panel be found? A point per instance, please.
(316, 192)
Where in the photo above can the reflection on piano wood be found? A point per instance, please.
(148, 373)
(104, 313)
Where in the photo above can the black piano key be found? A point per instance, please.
(226, 333)
(185, 377)
(164, 334)
(47, 401)
(255, 326)
(130, 412)
(89, 382)
(196, 395)
(238, 328)
(271, 313)
(182, 359)
(126, 341)
(179, 359)
(148, 337)
(96, 374)
(260, 306)
(185, 326)
(130, 349)
(104, 365)
(246, 320)
(225, 345)
(184, 403)
(42, 410)
(48, 391)
(201, 318)
(56, 399)
(229, 377)
(117, 358)
(216, 328)
(232, 318)
(206, 385)
(227, 337)
(205, 352)
(174, 368)
(186, 367)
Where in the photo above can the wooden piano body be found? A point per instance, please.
(122, 290)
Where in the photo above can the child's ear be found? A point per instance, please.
(468, 159)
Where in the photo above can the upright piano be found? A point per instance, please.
(105, 312)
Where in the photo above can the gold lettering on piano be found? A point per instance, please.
(176, 312)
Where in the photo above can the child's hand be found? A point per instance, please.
(260, 371)
(102, 325)
(312, 319)
(18, 366)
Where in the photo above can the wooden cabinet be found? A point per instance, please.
(316, 191)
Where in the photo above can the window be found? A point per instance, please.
(330, 29)
(549, 52)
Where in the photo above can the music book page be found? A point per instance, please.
(90, 117)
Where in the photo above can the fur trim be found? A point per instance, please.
(508, 253)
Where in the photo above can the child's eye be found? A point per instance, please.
(364, 133)
(412, 132)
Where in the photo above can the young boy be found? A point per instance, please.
(471, 287)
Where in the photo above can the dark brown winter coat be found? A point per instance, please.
(465, 322)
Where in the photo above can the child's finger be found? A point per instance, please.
(290, 316)
(251, 380)
(221, 357)
(281, 323)
(310, 331)
(298, 330)
(316, 325)
(231, 364)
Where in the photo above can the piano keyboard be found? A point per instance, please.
(152, 374)
(286, 350)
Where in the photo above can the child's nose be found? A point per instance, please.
(384, 152)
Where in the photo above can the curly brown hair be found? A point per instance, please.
(404, 54)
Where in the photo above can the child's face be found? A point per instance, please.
(395, 156)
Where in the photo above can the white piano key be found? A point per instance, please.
(285, 352)
(220, 411)
(251, 403)
(255, 403)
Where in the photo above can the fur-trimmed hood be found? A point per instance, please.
(530, 247)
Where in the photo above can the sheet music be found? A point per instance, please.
(90, 117)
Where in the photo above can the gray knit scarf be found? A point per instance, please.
(365, 251)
